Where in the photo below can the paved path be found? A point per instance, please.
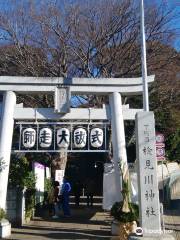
(84, 224)
(172, 222)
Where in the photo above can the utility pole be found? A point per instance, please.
(143, 60)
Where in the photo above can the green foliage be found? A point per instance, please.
(30, 180)
(48, 185)
(118, 214)
(2, 214)
(29, 202)
(21, 176)
(173, 146)
(167, 123)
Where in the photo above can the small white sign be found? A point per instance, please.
(59, 175)
(62, 100)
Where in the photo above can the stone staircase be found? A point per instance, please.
(97, 201)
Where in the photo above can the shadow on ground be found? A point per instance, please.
(84, 224)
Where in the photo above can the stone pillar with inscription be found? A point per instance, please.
(149, 206)
(147, 173)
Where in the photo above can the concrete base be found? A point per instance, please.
(159, 237)
(5, 228)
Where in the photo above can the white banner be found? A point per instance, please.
(39, 171)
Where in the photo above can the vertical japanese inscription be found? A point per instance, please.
(147, 174)
(62, 100)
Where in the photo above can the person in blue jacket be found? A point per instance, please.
(65, 191)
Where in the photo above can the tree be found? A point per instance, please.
(92, 40)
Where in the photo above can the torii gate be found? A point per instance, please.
(62, 89)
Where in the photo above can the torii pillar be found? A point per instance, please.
(6, 134)
(118, 139)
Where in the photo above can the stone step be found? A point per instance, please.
(84, 198)
(97, 200)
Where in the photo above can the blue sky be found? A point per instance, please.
(175, 5)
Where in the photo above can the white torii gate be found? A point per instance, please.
(62, 89)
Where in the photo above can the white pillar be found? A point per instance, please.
(6, 134)
(118, 138)
(143, 60)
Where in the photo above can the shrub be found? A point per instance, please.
(21, 176)
(2, 214)
(119, 215)
(29, 202)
